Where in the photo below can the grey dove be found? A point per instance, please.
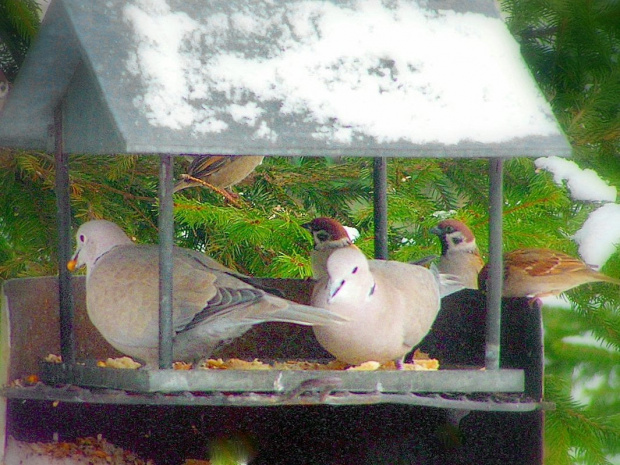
(210, 304)
(390, 306)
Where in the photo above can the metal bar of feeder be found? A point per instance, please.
(63, 217)
(166, 240)
(495, 280)
(380, 207)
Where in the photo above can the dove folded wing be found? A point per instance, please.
(210, 303)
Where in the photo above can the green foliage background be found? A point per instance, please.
(573, 49)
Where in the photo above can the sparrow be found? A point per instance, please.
(459, 252)
(220, 171)
(328, 234)
(540, 273)
(210, 304)
(389, 306)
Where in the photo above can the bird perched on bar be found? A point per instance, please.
(459, 252)
(543, 272)
(210, 304)
(219, 171)
(390, 306)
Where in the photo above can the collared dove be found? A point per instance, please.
(210, 304)
(390, 306)
(459, 252)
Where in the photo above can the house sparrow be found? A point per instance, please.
(397, 302)
(210, 304)
(543, 272)
(459, 253)
(219, 171)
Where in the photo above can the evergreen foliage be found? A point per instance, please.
(19, 23)
(572, 47)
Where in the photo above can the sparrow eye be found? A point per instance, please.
(449, 229)
(322, 236)
(354, 270)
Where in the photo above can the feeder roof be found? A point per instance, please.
(315, 77)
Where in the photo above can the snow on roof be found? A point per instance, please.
(391, 71)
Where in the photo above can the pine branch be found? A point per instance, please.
(570, 427)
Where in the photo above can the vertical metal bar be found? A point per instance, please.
(166, 241)
(380, 207)
(496, 272)
(63, 218)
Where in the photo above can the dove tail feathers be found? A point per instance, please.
(305, 315)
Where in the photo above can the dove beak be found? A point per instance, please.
(334, 289)
(72, 265)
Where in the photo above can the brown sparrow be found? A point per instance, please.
(459, 253)
(220, 171)
(543, 272)
(328, 234)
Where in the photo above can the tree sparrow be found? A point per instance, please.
(459, 253)
(328, 234)
(220, 171)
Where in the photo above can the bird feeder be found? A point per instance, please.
(364, 78)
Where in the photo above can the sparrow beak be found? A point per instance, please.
(436, 231)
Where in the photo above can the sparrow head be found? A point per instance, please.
(95, 238)
(327, 233)
(455, 237)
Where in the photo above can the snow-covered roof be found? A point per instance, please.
(278, 77)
